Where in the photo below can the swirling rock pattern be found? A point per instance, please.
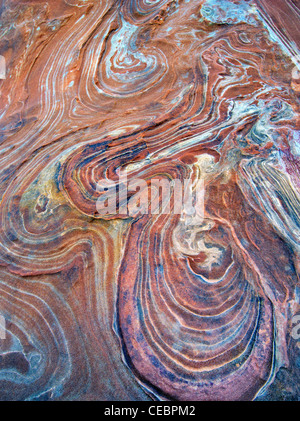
(149, 306)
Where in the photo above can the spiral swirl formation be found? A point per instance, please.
(144, 305)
